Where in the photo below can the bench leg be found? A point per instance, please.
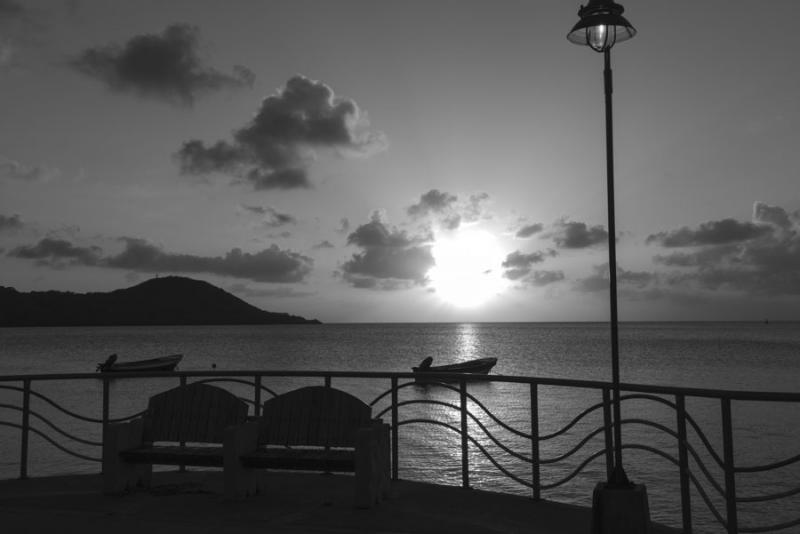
(118, 475)
(240, 481)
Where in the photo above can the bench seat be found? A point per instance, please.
(334, 460)
(175, 455)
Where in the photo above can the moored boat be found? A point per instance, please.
(163, 363)
(479, 366)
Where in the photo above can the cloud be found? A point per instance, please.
(543, 278)
(10, 222)
(164, 66)
(16, 170)
(269, 265)
(571, 234)
(528, 230)
(447, 211)
(272, 217)
(275, 149)
(57, 253)
(323, 244)
(344, 225)
(756, 258)
(519, 265)
(434, 201)
(626, 280)
(711, 233)
(390, 259)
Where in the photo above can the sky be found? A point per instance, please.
(414, 161)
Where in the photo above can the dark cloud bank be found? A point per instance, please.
(269, 265)
(164, 66)
(274, 150)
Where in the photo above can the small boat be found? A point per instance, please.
(164, 363)
(480, 366)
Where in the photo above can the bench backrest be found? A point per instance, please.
(314, 416)
(194, 413)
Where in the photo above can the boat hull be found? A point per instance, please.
(164, 363)
(432, 373)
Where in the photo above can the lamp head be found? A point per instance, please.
(601, 25)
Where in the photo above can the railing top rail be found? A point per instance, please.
(768, 396)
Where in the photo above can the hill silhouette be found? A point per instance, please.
(171, 300)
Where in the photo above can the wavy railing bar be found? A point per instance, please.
(770, 497)
(572, 423)
(574, 473)
(707, 500)
(64, 432)
(771, 528)
(575, 449)
(768, 467)
(471, 440)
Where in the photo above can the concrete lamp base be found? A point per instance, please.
(620, 509)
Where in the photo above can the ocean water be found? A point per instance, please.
(740, 356)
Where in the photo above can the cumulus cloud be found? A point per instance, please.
(390, 259)
(10, 222)
(323, 244)
(269, 265)
(759, 257)
(519, 265)
(529, 230)
(164, 66)
(447, 210)
(710, 233)
(275, 149)
(573, 234)
(434, 201)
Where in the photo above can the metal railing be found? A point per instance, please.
(477, 427)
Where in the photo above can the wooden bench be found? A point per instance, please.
(311, 429)
(169, 433)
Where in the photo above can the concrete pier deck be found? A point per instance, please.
(292, 503)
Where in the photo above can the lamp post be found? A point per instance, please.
(619, 506)
(601, 25)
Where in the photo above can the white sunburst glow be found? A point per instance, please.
(468, 268)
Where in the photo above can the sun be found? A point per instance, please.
(467, 271)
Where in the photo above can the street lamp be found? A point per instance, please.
(601, 25)
(619, 506)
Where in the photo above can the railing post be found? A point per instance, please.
(537, 490)
(609, 440)
(683, 460)
(395, 434)
(327, 381)
(730, 475)
(257, 396)
(182, 467)
(106, 410)
(26, 420)
(464, 434)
